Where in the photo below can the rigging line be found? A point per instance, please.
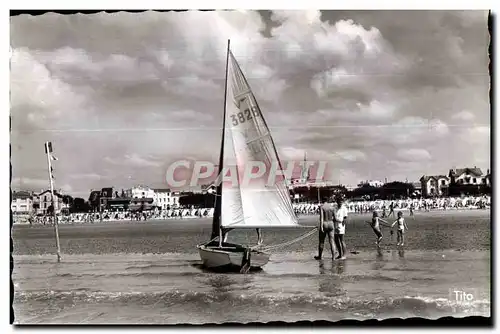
(271, 247)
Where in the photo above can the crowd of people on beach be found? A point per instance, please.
(385, 207)
(444, 203)
(94, 217)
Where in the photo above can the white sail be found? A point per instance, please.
(247, 139)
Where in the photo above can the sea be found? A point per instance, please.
(149, 272)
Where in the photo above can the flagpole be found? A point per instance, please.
(48, 149)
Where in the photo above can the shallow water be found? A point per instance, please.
(104, 278)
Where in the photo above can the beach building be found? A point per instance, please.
(43, 200)
(304, 178)
(434, 185)
(22, 202)
(141, 204)
(165, 198)
(417, 186)
(140, 192)
(349, 187)
(372, 183)
(469, 176)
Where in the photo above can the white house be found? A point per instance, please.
(140, 192)
(469, 176)
(165, 198)
(350, 187)
(372, 183)
(22, 202)
(44, 199)
(434, 185)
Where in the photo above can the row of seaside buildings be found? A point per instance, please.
(146, 197)
(428, 185)
(133, 198)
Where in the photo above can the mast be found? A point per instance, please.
(218, 194)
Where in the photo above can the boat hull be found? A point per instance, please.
(230, 256)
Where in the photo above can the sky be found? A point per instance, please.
(376, 94)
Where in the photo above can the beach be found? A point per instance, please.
(149, 272)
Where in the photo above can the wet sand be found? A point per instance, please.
(149, 272)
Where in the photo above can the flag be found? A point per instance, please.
(48, 147)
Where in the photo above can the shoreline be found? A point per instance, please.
(432, 231)
(457, 211)
(353, 254)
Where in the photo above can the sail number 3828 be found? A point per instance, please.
(245, 115)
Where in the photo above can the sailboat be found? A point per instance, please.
(245, 138)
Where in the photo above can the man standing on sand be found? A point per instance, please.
(326, 227)
(340, 221)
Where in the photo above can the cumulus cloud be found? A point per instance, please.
(292, 153)
(478, 135)
(122, 95)
(86, 176)
(32, 84)
(352, 155)
(37, 97)
(113, 67)
(464, 115)
(414, 154)
(134, 160)
(30, 183)
(417, 130)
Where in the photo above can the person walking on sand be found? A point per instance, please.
(339, 224)
(326, 228)
(401, 228)
(375, 224)
(391, 210)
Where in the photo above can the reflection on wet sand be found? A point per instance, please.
(330, 279)
(379, 262)
(336, 267)
(222, 283)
